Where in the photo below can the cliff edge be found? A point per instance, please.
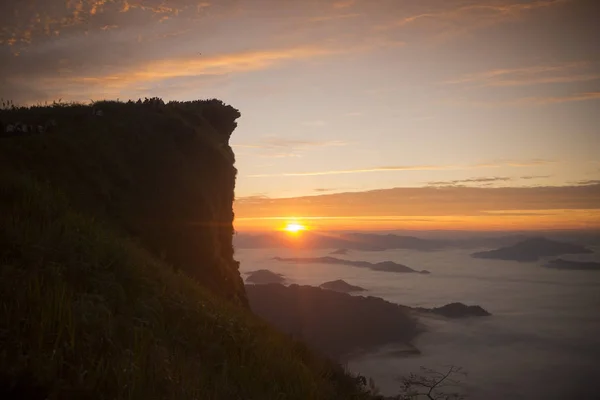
(163, 173)
(117, 275)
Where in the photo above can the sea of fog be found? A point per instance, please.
(541, 342)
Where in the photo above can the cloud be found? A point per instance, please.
(448, 207)
(358, 171)
(470, 15)
(530, 177)
(568, 72)
(528, 163)
(207, 65)
(326, 18)
(471, 180)
(343, 4)
(22, 26)
(540, 101)
(125, 79)
(321, 190)
(279, 143)
(284, 148)
(409, 168)
(589, 182)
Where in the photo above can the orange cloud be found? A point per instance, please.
(431, 208)
(217, 65)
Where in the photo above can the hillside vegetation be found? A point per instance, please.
(117, 277)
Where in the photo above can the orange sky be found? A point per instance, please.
(385, 99)
(455, 208)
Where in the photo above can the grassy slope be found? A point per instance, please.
(87, 312)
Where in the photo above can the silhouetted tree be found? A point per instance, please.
(432, 385)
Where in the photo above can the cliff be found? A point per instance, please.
(162, 173)
(117, 275)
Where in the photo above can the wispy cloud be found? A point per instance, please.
(51, 18)
(540, 74)
(511, 163)
(322, 190)
(589, 182)
(531, 177)
(334, 17)
(396, 168)
(483, 180)
(359, 171)
(343, 4)
(555, 99)
(279, 143)
(470, 15)
(114, 83)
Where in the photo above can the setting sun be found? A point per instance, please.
(294, 228)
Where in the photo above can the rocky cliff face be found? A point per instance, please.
(162, 173)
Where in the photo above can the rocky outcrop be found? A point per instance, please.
(532, 250)
(341, 286)
(162, 173)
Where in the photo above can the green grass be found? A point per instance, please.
(90, 310)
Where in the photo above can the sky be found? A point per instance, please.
(356, 114)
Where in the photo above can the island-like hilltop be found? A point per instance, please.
(532, 250)
(385, 266)
(340, 285)
(573, 265)
(339, 324)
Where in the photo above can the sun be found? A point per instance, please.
(294, 228)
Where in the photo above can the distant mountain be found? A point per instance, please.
(341, 286)
(456, 310)
(353, 241)
(346, 241)
(340, 252)
(264, 276)
(532, 250)
(573, 265)
(385, 266)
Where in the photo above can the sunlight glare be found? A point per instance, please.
(294, 228)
